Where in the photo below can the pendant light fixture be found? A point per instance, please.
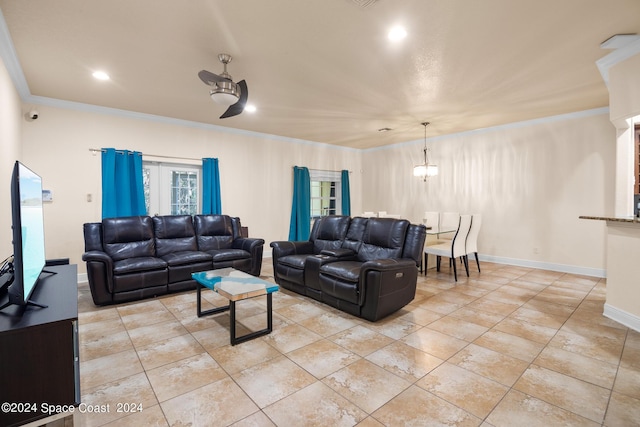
(426, 169)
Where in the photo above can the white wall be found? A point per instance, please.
(255, 171)
(530, 181)
(10, 138)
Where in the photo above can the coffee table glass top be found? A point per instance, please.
(233, 284)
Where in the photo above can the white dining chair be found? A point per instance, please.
(382, 214)
(472, 238)
(448, 221)
(452, 249)
(432, 219)
(368, 214)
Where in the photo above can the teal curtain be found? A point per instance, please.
(122, 183)
(299, 228)
(211, 203)
(346, 195)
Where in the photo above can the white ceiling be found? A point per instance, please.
(324, 70)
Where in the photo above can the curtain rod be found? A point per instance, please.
(101, 150)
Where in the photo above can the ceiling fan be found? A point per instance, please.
(224, 91)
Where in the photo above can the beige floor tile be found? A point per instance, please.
(99, 329)
(271, 381)
(418, 407)
(538, 317)
(527, 330)
(458, 328)
(109, 368)
(564, 391)
(491, 364)
(98, 315)
(559, 310)
(623, 411)
(519, 409)
(104, 346)
(239, 357)
(152, 416)
(328, 323)
(146, 335)
(492, 306)
(105, 403)
(300, 311)
(328, 409)
(510, 345)
(405, 361)
(628, 382)
(366, 384)
(420, 316)
(218, 403)
(631, 353)
(591, 345)
(134, 319)
(393, 328)
(257, 419)
(168, 351)
(291, 337)
(479, 317)
(435, 343)
(213, 337)
(361, 340)
(578, 366)
(185, 375)
(474, 393)
(322, 358)
(370, 422)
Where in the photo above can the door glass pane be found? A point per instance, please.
(184, 193)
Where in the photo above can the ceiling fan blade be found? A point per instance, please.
(209, 78)
(238, 107)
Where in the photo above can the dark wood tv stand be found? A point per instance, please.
(39, 359)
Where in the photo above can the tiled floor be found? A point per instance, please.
(508, 347)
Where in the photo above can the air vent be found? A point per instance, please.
(364, 3)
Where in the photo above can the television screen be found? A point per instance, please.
(28, 232)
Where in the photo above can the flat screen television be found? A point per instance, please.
(28, 235)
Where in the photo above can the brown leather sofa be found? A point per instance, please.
(367, 267)
(137, 257)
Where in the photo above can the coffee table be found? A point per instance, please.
(235, 285)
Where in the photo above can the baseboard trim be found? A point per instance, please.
(627, 319)
(563, 268)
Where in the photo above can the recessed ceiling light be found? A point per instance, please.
(101, 75)
(250, 108)
(397, 33)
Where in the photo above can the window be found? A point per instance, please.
(325, 193)
(171, 189)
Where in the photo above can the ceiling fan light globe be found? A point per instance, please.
(223, 98)
(432, 170)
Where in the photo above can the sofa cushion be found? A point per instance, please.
(353, 239)
(328, 232)
(295, 261)
(342, 270)
(174, 233)
(128, 237)
(228, 254)
(186, 257)
(139, 264)
(214, 232)
(383, 238)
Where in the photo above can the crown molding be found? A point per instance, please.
(623, 53)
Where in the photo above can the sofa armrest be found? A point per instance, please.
(100, 276)
(386, 286)
(284, 248)
(247, 243)
(342, 253)
(255, 247)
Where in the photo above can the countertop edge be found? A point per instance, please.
(629, 219)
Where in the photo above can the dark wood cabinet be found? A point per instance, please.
(39, 360)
